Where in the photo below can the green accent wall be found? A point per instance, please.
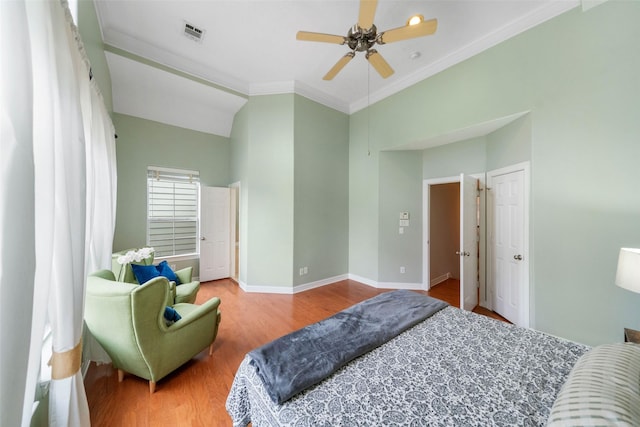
(577, 76)
(270, 191)
(400, 175)
(261, 160)
(142, 143)
(321, 191)
(290, 156)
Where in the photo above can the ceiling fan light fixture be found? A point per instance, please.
(415, 20)
(362, 36)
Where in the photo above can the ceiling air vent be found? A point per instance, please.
(193, 32)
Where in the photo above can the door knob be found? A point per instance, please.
(463, 253)
(517, 257)
(202, 238)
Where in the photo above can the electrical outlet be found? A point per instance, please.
(301, 271)
(402, 270)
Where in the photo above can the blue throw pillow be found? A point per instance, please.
(166, 271)
(144, 273)
(171, 315)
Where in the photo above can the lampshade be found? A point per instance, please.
(628, 274)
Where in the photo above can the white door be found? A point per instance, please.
(468, 243)
(507, 244)
(214, 233)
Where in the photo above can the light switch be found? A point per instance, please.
(401, 231)
(404, 223)
(404, 215)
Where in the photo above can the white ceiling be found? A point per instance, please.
(250, 47)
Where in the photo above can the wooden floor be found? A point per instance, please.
(195, 394)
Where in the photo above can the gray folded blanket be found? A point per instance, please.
(294, 362)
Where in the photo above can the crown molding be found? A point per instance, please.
(544, 13)
(321, 97)
(164, 58)
(271, 88)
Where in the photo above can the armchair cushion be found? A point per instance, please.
(171, 315)
(144, 273)
(165, 270)
(124, 272)
(185, 292)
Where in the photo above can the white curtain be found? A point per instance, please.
(17, 237)
(57, 204)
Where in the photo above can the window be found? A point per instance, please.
(172, 211)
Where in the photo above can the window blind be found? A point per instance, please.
(172, 211)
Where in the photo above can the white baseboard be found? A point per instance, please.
(439, 279)
(386, 285)
(294, 290)
(266, 289)
(319, 283)
(400, 285)
(363, 280)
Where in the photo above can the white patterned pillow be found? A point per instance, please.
(603, 389)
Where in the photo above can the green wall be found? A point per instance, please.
(469, 157)
(270, 191)
(261, 160)
(290, 156)
(509, 145)
(577, 75)
(321, 191)
(239, 172)
(363, 197)
(400, 175)
(89, 30)
(142, 143)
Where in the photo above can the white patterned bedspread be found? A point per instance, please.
(454, 369)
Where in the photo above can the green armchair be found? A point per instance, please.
(128, 321)
(185, 292)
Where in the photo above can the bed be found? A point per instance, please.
(453, 368)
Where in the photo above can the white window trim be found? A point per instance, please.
(180, 257)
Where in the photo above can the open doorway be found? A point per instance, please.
(454, 253)
(444, 226)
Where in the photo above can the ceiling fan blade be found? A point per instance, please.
(408, 32)
(320, 37)
(339, 66)
(367, 13)
(382, 67)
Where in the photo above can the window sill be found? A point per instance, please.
(173, 258)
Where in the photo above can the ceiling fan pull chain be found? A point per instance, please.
(368, 109)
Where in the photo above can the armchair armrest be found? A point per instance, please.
(191, 313)
(185, 274)
(104, 274)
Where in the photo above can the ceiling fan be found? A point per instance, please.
(364, 35)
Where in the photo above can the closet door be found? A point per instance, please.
(507, 245)
(468, 243)
(215, 232)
